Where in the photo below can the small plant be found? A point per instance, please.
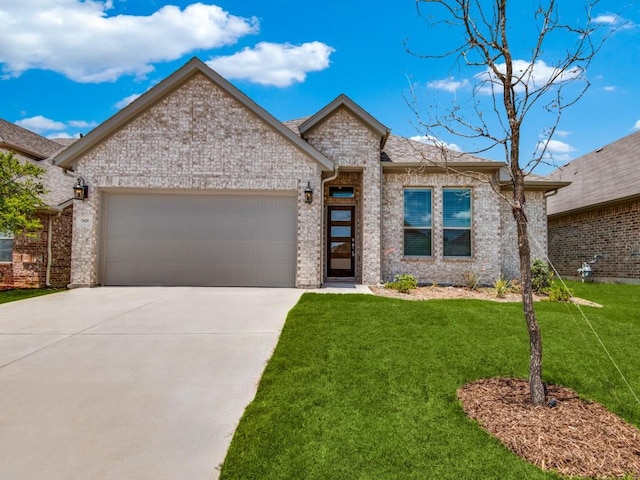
(502, 287)
(472, 280)
(559, 293)
(541, 276)
(403, 283)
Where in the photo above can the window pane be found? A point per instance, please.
(457, 207)
(340, 231)
(457, 243)
(340, 247)
(341, 192)
(341, 215)
(6, 250)
(417, 243)
(417, 207)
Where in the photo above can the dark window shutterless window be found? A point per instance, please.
(6, 247)
(456, 222)
(418, 206)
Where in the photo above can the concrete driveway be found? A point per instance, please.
(131, 383)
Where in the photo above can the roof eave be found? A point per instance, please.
(20, 149)
(405, 167)
(68, 156)
(586, 208)
(537, 185)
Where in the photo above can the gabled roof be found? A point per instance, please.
(67, 157)
(342, 101)
(21, 140)
(608, 175)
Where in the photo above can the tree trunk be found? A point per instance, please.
(535, 339)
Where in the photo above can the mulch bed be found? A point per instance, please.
(575, 438)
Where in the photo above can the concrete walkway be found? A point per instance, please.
(131, 383)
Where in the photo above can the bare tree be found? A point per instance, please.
(516, 73)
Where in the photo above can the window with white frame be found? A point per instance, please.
(417, 222)
(456, 222)
(6, 247)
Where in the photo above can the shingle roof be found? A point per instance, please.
(606, 175)
(25, 141)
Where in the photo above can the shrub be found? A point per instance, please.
(403, 283)
(541, 276)
(472, 279)
(502, 287)
(559, 293)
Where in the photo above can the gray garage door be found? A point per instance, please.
(215, 240)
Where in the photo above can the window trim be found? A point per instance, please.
(469, 228)
(430, 227)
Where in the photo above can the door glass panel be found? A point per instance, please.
(340, 231)
(340, 263)
(340, 215)
(340, 247)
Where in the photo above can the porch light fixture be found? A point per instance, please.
(80, 190)
(308, 193)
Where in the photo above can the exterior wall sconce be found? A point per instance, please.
(308, 193)
(80, 190)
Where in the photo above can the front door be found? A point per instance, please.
(341, 242)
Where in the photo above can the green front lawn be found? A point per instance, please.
(21, 294)
(364, 387)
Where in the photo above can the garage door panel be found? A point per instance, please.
(225, 240)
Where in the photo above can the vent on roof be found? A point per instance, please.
(599, 149)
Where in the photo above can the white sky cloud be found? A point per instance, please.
(535, 75)
(78, 38)
(40, 124)
(52, 128)
(431, 140)
(278, 64)
(610, 88)
(448, 84)
(557, 150)
(637, 125)
(127, 100)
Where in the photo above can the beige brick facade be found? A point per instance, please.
(201, 136)
(196, 139)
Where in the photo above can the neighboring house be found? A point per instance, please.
(599, 213)
(43, 259)
(195, 184)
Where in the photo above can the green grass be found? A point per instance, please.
(363, 387)
(20, 294)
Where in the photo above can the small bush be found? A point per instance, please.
(472, 279)
(559, 293)
(502, 287)
(541, 276)
(403, 283)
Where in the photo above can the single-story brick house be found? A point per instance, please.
(194, 183)
(45, 258)
(599, 213)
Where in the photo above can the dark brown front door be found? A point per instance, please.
(341, 242)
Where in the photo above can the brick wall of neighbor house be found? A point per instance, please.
(485, 231)
(196, 138)
(349, 143)
(612, 231)
(536, 211)
(30, 253)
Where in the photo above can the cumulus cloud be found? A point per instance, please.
(52, 128)
(81, 41)
(610, 88)
(277, 64)
(127, 100)
(533, 75)
(431, 140)
(614, 20)
(557, 150)
(637, 125)
(448, 84)
(40, 124)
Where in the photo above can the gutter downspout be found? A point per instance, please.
(336, 172)
(47, 281)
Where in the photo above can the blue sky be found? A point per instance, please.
(68, 65)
